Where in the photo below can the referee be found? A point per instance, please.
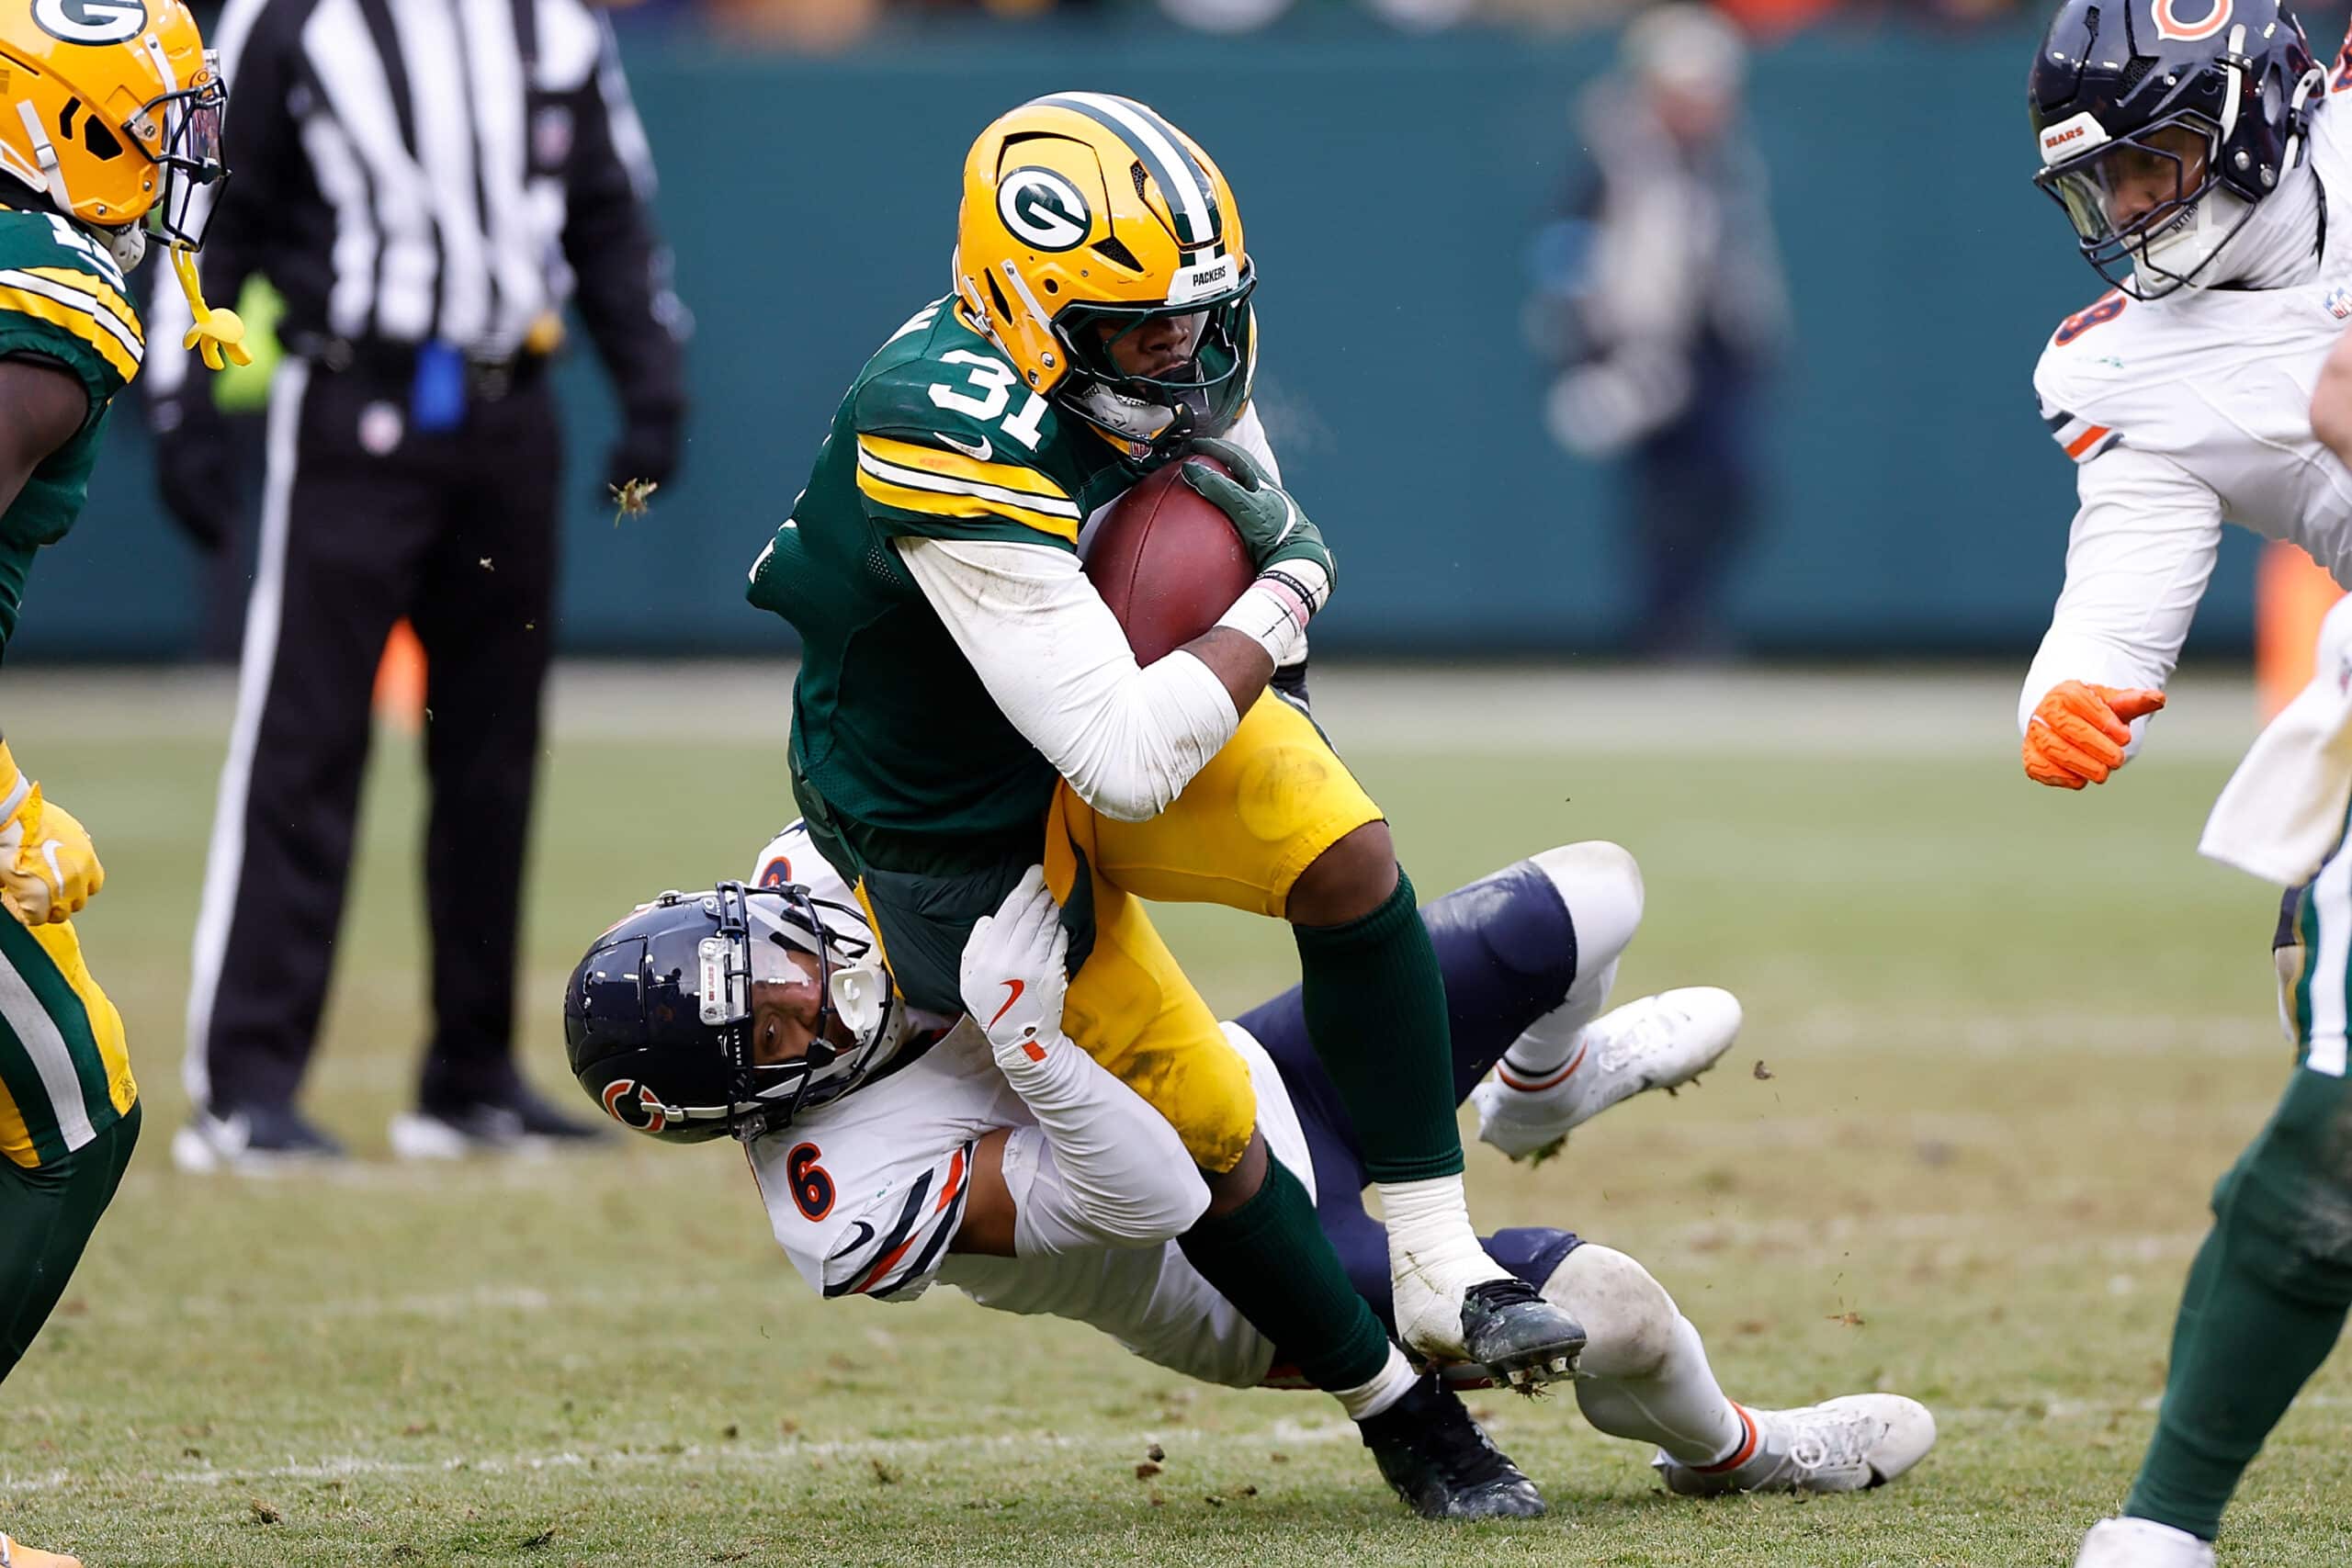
(426, 182)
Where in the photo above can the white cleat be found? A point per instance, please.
(2141, 1543)
(1660, 1042)
(1849, 1444)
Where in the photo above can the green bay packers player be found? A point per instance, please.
(111, 120)
(963, 687)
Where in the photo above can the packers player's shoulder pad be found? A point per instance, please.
(950, 445)
(63, 300)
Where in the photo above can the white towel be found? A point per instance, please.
(2282, 813)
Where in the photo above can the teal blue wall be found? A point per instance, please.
(1389, 186)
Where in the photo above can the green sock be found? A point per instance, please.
(1271, 1260)
(1374, 1000)
(2264, 1305)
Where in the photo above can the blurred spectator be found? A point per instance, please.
(1660, 297)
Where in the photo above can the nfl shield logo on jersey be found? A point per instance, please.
(2339, 302)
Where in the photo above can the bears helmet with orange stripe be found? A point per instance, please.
(2164, 124)
(112, 114)
(1087, 220)
(660, 1016)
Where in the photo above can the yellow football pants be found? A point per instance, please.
(1272, 801)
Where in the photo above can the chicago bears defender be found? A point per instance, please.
(965, 694)
(2195, 146)
(110, 125)
(895, 1148)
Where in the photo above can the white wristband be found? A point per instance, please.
(1274, 609)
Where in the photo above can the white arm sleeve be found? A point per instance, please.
(2144, 541)
(1052, 656)
(1249, 432)
(1099, 1168)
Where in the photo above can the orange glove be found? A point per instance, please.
(2079, 731)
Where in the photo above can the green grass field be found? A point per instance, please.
(2000, 1041)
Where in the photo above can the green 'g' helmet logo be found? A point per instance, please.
(91, 22)
(1043, 210)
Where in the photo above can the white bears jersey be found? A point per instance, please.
(865, 1193)
(2183, 413)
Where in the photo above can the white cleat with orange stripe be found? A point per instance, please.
(1660, 1042)
(1849, 1444)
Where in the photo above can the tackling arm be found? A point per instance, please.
(2143, 545)
(1101, 1167)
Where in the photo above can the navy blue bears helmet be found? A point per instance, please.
(659, 1016)
(2163, 124)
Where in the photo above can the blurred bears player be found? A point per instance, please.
(894, 1147)
(111, 121)
(2208, 173)
(964, 690)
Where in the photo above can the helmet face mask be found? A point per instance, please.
(188, 125)
(1202, 391)
(848, 1001)
(2149, 209)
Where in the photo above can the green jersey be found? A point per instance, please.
(62, 301)
(900, 759)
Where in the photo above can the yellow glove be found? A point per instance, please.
(2079, 731)
(48, 867)
(216, 332)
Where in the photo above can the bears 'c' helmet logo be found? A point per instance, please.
(2170, 24)
(654, 1114)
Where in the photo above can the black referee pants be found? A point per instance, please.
(362, 522)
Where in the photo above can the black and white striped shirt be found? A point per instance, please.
(409, 170)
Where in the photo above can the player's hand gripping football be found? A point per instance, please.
(1013, 975)
(47, 868)
(1278, 535)
(2078, 732)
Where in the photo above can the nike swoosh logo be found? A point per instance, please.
(1016, 987)
(982, 452)
(1290, 521)
(863, 1234)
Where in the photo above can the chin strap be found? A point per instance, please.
(216, 334)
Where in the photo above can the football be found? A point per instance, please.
(1167, 562)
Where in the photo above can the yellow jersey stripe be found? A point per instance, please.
(936, 505)
(948, 484)
(97, 290)
(76, 292)
(78, 321)
(956, 466)
(16, 1139)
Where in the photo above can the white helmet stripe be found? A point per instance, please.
(1183, 180)
(2237, 82)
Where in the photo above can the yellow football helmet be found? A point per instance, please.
(111, 110)
(1101, 249)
